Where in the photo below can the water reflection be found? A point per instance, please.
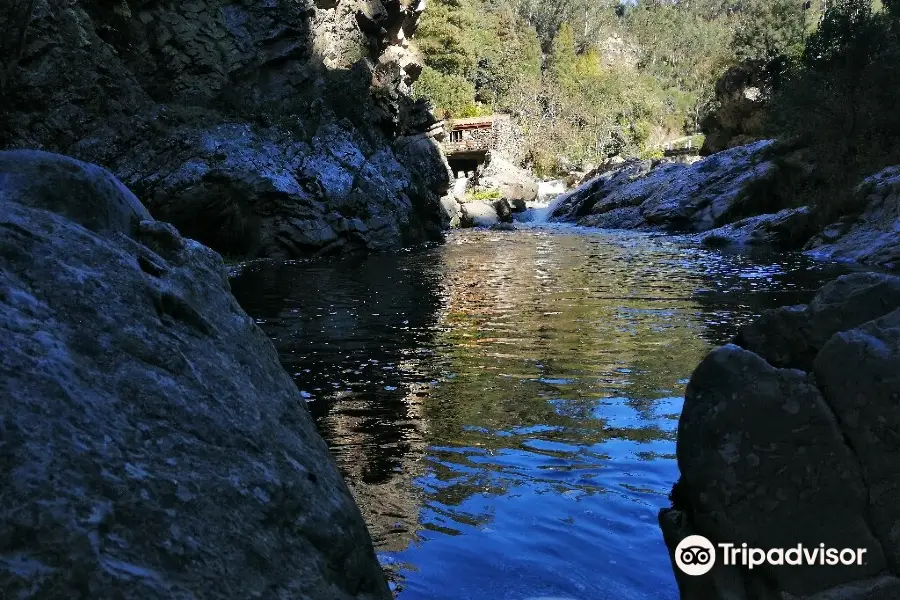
(504, 406)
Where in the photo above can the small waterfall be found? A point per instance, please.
(540, 210)
(459, 187)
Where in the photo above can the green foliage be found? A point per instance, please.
(652, 153)
(771, 29)
(840, 99)
(483, 45)
(442, 38)
(585, 79)
(451, 93)
(486, 195)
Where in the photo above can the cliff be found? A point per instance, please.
(279, 128)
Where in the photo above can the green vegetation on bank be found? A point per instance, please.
(587, 79)
(839, 99)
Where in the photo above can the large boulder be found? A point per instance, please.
(792, 336)
(670, 195)
(749, 438)
(858, 371)
(152, 446)
(262, 129)
(742, 93)
(481, 213)
(512, 182)
(86, 194)
(792, 439)
(872, 237)
(788, 229)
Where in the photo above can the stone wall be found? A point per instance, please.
(504, 137)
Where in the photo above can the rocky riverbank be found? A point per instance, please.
(741, 196)
(491, 196)
(152, 445)
(261, 129)
(789, 436)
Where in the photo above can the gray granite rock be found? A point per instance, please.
(873, 237)
(260, 128)
(670, 195)
(151, 446)
(792, 336)
(858, 371)
(750, 440)
(512, 182)
(788, 229)
(773, 457)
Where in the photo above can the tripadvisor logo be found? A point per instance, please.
(696, 555)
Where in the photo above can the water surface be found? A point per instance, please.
(504, 407)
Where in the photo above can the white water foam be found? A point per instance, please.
(539, 211)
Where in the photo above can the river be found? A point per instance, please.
(504, 406)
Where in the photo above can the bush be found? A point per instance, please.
(452, 95)
(487, 195)
(840, 100)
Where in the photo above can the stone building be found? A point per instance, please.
(469, 141)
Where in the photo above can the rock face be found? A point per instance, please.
(788, 229)
(262, 129)
(152, 445)
(741, 95)
(790, 438)
(501, 175)
(673, 196)
(872, 237)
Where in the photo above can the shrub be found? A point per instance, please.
(487, 195)
(840, 101)
(451, 94)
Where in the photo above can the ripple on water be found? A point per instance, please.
(504, 407)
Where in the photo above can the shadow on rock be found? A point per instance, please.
(263, 129)
(152, 445)
(789, 436)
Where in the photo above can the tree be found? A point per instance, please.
(769, 29)
(451, 94)
(840, 99)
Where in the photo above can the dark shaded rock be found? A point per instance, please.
(260, 129)
(741, 96)
(749, 439)
(626, 217)
(873, 237)
(793, 336)
(858, 371)
(788, 229)
(152, 446)
(503, 209)
(84, 193)
(879, 588)
(517, 205)
(773, 457)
